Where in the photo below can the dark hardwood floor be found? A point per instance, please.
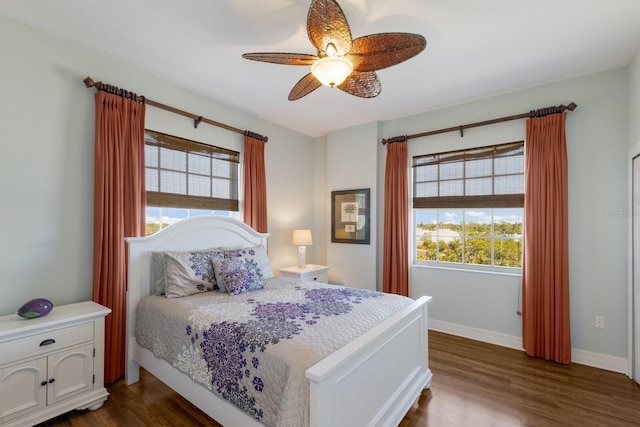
(479, 384)
(474, 384)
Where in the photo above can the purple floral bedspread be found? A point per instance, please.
(253, 349)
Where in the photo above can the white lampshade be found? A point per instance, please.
(302, 238)
(331, 70)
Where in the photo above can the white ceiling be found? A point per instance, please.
(475, 48)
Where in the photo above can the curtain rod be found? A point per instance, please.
(88, 82)
(531, 114)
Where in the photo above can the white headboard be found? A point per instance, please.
(200, 232)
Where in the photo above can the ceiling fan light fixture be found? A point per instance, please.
(342, 61)
(331, 70)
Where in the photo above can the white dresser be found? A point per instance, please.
(52, 364)
(312, 273)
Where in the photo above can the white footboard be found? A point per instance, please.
(375, 379)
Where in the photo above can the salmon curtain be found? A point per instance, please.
(118, 212)
(254, 183)
(395, 263)
(545, 271)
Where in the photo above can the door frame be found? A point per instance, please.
(633, 311)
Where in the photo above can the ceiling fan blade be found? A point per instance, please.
(305, 86)
(354, 58)
(362, 84)
(386, 49)
(282, 58)
(326, 24)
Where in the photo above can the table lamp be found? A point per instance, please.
(302, 238)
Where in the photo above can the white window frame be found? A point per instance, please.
(188, 213)
(463, 208)
(193, 147)
(463, 265)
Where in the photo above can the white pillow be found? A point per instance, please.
(189, 272)
(157, 272)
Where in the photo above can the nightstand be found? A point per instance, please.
(312, 273)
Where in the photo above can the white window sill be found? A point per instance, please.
(465, 268)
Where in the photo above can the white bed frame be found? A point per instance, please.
(372, 381)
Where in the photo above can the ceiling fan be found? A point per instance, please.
(341, 61)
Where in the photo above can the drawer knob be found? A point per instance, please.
(47, 342)
(51, 381)
(43, 383)
(315, 278)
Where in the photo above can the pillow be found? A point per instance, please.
(189, 272)
(157, 272)
(236, 275)
(256, 257)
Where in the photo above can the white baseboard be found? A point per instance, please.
(599, 360)
(483, 335)
(583, 357)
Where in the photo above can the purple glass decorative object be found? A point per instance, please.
(35, 308)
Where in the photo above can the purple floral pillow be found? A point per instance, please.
(254, 257)
(236, 276)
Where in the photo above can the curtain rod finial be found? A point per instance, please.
(256, 136)
(572, 106)
(88, 82)
(402, 138)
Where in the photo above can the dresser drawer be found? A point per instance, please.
(34, 345)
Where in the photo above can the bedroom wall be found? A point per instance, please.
(46, 162)
(634, 101)
(484, 306)
(317, 253)
(352, 157)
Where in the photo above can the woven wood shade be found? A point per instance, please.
(484, 177)
(181, 173)
(167, 200)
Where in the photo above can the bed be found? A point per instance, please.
(372, 380)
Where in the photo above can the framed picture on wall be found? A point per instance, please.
(350, 216)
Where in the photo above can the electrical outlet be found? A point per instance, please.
(600, 322)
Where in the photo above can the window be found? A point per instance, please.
(159, 218)
(186, 178)
(468, 206)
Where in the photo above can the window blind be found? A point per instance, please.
(491, 176)
(181, 173)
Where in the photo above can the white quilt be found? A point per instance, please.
(253, 349)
